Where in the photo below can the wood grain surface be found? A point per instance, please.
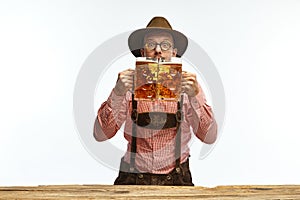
(150, 192)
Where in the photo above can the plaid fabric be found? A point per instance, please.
(156, 148)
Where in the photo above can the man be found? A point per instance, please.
(156, 156)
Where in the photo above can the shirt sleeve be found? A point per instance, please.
(201, 118)
(111, 115)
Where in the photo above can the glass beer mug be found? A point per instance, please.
(157, 79)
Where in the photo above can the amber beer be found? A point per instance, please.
(156, 79)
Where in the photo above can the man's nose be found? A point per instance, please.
(157, 48)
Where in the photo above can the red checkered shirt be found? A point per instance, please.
(156, 148)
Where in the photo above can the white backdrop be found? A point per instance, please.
(254, 45)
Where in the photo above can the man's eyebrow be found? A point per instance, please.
(165, 40)
(168, 41)
(149, 40)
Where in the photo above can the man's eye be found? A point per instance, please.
(151, 45)
(165, 45)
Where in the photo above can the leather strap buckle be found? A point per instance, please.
(134, 115)
(179, 116)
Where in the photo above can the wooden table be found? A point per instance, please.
(150, 192)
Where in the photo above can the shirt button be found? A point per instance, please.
(178, 170)
(169, 177)
(141, 176)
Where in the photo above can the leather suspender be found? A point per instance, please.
(134, 116)
(179, 118)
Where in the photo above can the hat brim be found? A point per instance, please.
(136, 40)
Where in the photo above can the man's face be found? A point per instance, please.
(159, 45)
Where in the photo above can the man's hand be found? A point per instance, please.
(124, 82)
(189, 84)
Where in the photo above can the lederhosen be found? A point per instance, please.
(180, 175)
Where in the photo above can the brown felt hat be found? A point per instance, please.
(136, 38)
